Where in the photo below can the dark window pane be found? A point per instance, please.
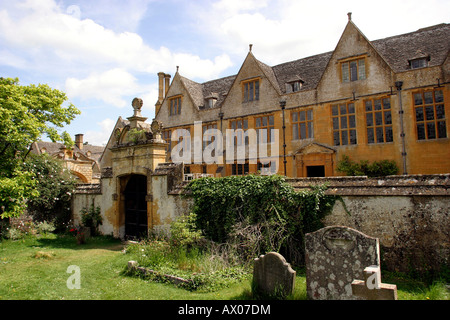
(442, 130)
(419, 114)
(438, 96)
(389, 134)
(418, 99)
(421, 131)
(250, 91)
(428, 97)
(336, 123)
(370, 138)
(336, 138)
(295, 131)
(380, 136)
(378, 118)
(351, 108)
(344, 137)
(310, 114)
(258, 122)
(294, 117)
(369, 105)
(440, 112)
(431, 130)
(387, 117)
(343, 122)
(264, 121)
(352, 121)
(429, 111)
(257, 90)
(353, 71)
(377, 105)
(246, 92)
(310, 130)
(302, 130)
(352, 136)
(386, 103)
(270, 120)
(334, 110)
(302, 115)
(343, 108)
(369, 119)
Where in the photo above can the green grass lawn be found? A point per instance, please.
(35, 268)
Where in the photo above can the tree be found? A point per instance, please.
(26, 114)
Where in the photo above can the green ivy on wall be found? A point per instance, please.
(265, 213)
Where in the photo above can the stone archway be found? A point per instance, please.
(135, 206)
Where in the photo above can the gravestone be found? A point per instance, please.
(273, 276)
(371, 288)
(335, 256)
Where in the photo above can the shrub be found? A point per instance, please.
(91, 218)
(364, 168)
(55, 185)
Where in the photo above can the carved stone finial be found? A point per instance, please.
(349, 16)
(137, 106)
(250, 46)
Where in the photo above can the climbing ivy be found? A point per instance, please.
(263, 208)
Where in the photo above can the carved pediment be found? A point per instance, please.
(314, 147)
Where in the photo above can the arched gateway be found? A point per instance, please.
(135, 207)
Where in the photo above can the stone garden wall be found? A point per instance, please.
(409, 215)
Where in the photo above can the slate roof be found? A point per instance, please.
(54, 147)
(432, 42)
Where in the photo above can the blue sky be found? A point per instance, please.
(103, 53)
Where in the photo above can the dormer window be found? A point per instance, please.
(294, 85)
(418, 63)
(211, 100)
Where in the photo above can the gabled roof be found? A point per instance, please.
(53, 148)
(397, 51)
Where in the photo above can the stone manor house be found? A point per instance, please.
(368, 100)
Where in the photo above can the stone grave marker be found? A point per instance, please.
(335, 256)
(371, 287)
(272, 275)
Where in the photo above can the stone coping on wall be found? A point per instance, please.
(399, 185)
(93, 188)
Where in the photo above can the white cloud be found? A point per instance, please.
(100, 138)
(47, 30)
(109, 86)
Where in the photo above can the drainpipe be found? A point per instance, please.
(283, 106)
(398, 85)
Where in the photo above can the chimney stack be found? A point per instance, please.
(79, 141)
(166, 84)
(161, 86)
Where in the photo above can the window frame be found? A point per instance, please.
(425, 113)
(340, 122)
(249, 87)
(268, 127)
(359, 72)
(297, 124)
(240, 139)
(177, 107)
(376, 125)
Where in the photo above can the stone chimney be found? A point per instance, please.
(79, 141)
(163, 87)
(166, 83)
(160, 86)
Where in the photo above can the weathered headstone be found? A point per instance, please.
(273, 276)
(372, 288)
(335, 256)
